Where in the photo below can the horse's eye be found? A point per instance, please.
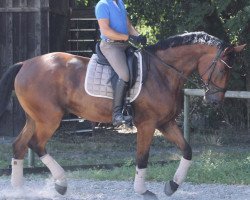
(222, 71)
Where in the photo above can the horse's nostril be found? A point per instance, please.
(213, 100)
(215, 103)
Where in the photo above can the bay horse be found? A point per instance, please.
(49, 85)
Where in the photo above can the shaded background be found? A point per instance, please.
(30, 28)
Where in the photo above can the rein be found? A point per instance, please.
(171, 67)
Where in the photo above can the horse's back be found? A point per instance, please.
(52, 67)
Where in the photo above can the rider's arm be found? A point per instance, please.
(109, 32)
(131, 28)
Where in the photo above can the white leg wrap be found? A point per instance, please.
(182, 170)
(56, 170)
(17, 173)
(139, 184)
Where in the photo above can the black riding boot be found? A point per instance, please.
(118, 102)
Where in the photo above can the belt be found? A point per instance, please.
(114, 41)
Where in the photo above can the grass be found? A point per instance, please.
(216, 167)
(5, 155)
(209, 167)
(218, 163)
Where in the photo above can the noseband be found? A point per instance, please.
(214, 88)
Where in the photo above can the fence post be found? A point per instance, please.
(31, 158)
(186, 118)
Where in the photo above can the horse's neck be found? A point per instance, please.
(177, 64)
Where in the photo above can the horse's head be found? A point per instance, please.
(214, 69)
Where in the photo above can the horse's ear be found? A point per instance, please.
(239, 48)
(236, 49)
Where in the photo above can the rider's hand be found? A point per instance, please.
(143, 39)
(137, 40)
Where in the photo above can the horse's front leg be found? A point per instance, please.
(145, 132)
(173, 134)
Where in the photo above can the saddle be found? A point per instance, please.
(101, 78)
(132, 63)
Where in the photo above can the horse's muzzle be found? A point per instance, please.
(216, 99)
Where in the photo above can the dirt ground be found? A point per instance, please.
(38, 188)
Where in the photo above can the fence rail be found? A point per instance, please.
(199, 92)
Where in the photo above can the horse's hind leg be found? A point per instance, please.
(173, 134)
(19, 150)
(43, 133)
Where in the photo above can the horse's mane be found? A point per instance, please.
(187, 39)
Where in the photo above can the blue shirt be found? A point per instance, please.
(115, 13)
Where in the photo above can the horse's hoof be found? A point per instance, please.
(61, 187)
(170, 188)
(149, 196)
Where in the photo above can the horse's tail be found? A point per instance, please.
(7, 85)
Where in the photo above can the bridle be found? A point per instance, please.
(209, 90)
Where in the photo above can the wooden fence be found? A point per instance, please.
(83, 32)
(29, 28)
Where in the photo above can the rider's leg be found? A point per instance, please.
(115, 54)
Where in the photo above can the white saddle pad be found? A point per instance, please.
(98, 84)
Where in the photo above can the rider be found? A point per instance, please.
(116, 33)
